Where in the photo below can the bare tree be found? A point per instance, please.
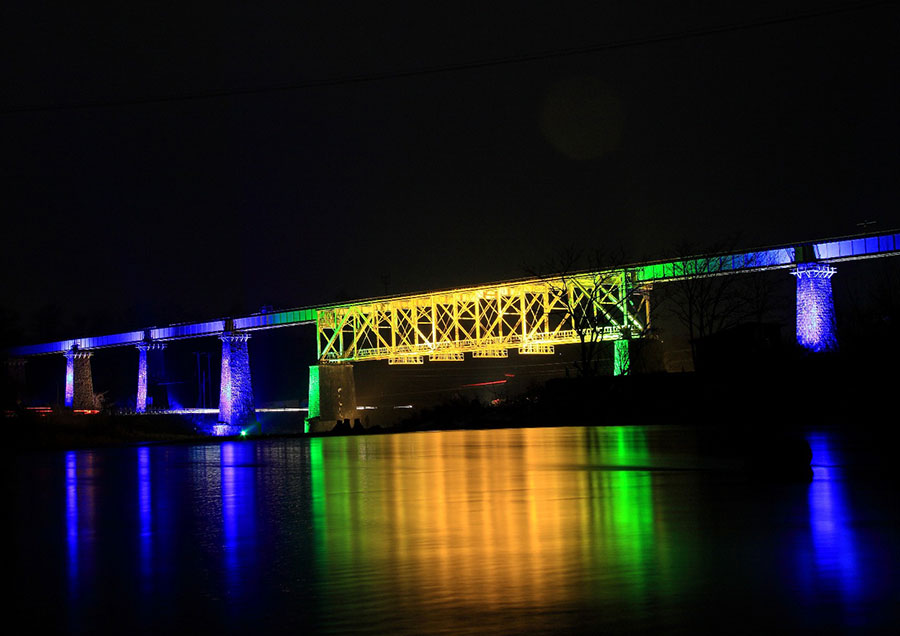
(872, 309)
(762, 295)
(593, 295)
(709, 295)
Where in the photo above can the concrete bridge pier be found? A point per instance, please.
(79, 381)
(236, 407)
(332, 397)
(816, 326)
(140, 403)
(143, 365)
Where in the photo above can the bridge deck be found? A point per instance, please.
(776, 257)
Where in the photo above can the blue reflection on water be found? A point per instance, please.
(830, 521)
(239, 513)
(145, 512)
(80, 519)
(72, 516)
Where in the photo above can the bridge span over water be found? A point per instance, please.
(532, 315)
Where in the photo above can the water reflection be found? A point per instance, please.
(145, 514)
(537, 530)
(72, 516)
(488, 519)
(80, 518)
(624, 515)
(238, 515)
(831, 520)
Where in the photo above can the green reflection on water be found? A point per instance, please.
(337, 506)
(621, 506)
(317, 481)
(485, 519)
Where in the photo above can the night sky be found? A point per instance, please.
(129, 192)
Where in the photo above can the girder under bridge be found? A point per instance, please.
(531, 316)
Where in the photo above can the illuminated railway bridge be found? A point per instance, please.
(531, 315)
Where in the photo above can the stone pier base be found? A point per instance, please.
(141, 399)
(236, 407)
(816, 328)
(79, 380)
(332, 397)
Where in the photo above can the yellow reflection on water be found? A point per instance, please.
(486, 519)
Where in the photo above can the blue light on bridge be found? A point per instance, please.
(816, 328)
(193, 330)
(225, 430)
(70, 380)
(226, 392)
(236, 407)
(141, 400)
(97, 342)
(858, 247)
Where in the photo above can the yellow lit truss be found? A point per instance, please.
(487, 321)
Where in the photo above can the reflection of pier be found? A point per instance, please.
(531, 316)
(80, 516)
(831, 521)
(145, 516)
(238, 513)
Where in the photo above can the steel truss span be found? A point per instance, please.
(531, 315)
(487, 321)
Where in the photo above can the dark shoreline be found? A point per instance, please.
(730, 408)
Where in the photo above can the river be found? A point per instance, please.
(542, 530)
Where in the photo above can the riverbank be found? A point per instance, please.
(820, 392)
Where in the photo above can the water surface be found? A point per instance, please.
(503, 531)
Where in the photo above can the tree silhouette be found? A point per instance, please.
(593, 294)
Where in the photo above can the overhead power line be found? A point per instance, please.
(459, 66)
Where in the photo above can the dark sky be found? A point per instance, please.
(205, 206)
